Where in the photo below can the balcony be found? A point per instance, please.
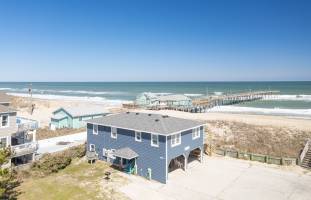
(24, 149)
(24, 124)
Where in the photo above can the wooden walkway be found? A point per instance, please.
(203, 104)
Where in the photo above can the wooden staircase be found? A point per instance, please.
(305, 156)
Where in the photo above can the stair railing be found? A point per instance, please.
(305, 150)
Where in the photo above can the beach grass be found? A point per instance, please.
(80, 180)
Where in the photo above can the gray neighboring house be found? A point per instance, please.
(17, 133)
(149, 145)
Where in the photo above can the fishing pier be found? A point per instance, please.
(202, 104)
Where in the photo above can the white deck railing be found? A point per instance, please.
(24, 124)
(23, 149)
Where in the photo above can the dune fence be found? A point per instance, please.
(257, 157)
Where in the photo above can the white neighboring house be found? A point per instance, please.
(17, 133)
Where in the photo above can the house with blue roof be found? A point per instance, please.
(149, 145)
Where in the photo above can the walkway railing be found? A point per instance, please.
(305, 150)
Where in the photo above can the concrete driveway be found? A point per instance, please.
(52, 145)
(225, 178)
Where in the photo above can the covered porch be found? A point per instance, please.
(126, 160)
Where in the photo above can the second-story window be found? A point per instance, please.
(137, 136)
(95, 129)
(196, 133)
(114, 132)
(176, 139)
(4, 120)
(154, 140)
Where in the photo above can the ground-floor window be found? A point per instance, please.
(2, 143)
(92, 147)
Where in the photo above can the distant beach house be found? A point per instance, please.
(74, 117)
(149, 145)
(17, 133)
(171, 100)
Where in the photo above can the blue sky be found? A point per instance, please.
(154, 40)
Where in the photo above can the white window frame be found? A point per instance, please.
(95, 132)
(151, 140)
(137, 133)
(174, 139)
(6, 141)
(196, 133)
(8, 121)
(112, 131)
(91, 147)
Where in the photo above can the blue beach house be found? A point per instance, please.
(149, 145)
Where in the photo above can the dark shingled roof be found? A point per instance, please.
(151, 123)
(126, 153)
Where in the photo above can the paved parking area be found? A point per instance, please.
(225, 178)
(51, 145)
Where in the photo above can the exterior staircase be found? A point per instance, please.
(305, 156)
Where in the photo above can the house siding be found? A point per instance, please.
(187, 144)
(149, 156)
(71, 122)
(12, 128)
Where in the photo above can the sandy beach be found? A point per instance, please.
(264, 134)
(44, 108)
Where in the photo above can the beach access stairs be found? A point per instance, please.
(305, 156)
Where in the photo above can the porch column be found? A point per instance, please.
(186, 162)
(201, 156)
(34, 135)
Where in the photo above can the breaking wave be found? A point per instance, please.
(290, 97)
(73, 98)
(43, 91)
(268, 111)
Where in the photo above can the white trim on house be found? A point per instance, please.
(151, 140)
(95, 130)
(166, 167)
(8, 120)
(175, 140)
(150, 132)
(136, 134)
(114, 132)
(196, 133)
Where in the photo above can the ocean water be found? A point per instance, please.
(294, 97)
